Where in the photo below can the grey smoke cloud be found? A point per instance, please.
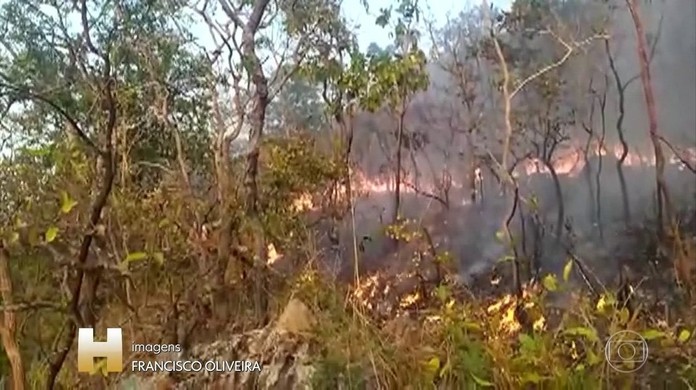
(673, 70)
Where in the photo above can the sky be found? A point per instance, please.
(363, 22)
(437, 11)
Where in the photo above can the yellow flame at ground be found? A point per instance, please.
(410, 299)
(364, 293)
(303, 203)
(505, 306)
(272, 254)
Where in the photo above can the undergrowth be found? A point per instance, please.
(506, 342)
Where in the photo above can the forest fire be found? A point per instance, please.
(569, 162)
(572, 161)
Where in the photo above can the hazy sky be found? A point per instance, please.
(363, 23)
(437, 10)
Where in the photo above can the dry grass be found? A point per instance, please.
(447, 338)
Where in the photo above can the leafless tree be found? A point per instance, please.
(664, 205)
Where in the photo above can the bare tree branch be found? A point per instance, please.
(25, 94)
(680, 155)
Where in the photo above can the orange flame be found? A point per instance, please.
(567, 162)
(571, 161)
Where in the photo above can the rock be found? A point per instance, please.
(284, 358)
(281, 350)
(296, 318)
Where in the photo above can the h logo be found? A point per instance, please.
(88, 349)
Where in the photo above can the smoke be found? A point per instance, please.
(673, 70)
(593, 200)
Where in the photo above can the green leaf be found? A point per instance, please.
(550, 283)
(588, 333)
(528, 344)
(653, 334)
(159, 257)
(531, 377)
(593, 358)
(34, 236)
(684, 335)
(51, 234)
(604, 302)
(507, 258)
(66, 203)
(432, 366)
(37, 152)
(481, 382)
(442, 292)
(624, 316)
(567, 269)
(135, 256)
(383, 19)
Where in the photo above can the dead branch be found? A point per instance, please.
(425, 193)
(679, 155)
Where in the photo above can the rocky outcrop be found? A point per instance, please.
(282, 349)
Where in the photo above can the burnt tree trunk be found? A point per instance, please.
(664, 205)
(559, 197)
(398, 169)
(621, 91)
(588, 179)
(600, 160)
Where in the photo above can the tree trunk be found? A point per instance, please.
(621, 90)
(590, 186)
(347, 125)
(9, 324)
(663, 200)
(87, 282)
(258, 119)
(397, 174)
(559, 197)
(600, 160)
